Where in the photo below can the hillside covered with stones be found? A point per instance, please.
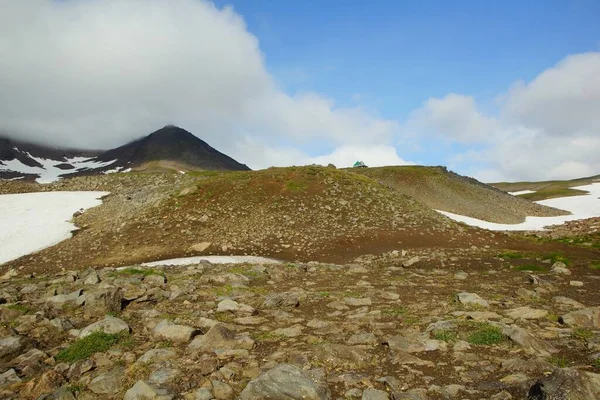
(416, 325)
(444, 190)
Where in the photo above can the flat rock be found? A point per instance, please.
(143, 390)
(285, 382)
(233, 306)
(9, 377)
(584, 318)
(527, 341)
(374, 394)
(107, 325)
(107, 383)
(220, 337)
(471, 299)
(525, 313)
(566, 301)
(167, 330)
(566, 384)
(357, 302)
(10, 345)
(281, 300)
(292, 331)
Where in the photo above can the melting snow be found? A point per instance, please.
(212, 259)
(580, 207)
(521, 192)
(49, 172)
(33, 221)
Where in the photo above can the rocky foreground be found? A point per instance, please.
(430, 324)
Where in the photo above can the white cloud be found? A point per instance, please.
(562, 100)
(261, 155)
(453, 117)
(548, 128)
(98, 73)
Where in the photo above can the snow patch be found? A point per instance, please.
(580, 207)
(48, 172)
(213, 260)
(34, 221)
(522, 192)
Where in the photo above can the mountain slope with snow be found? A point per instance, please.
(170, 144)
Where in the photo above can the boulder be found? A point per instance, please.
(107, 383)
(281, 300)
(145, 391)
(167, 330)
(559, 268)
(566, 384)
(102, 301)
(584, 318)
(107, 325)
(470, 299)
(285, 382)
(219, 337)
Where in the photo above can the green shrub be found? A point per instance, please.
(486, 335)
(513, 255)
(559, 362)
(445, 335)
(555, 257)
(83, 348)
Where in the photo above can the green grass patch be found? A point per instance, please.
(19, 307)
(560, 362)
(595, 265)
(556, 257)
(445, 335)
(294, 186)
(96, 342)
(529, 267)
(485, 335)
(596, 363)
(395, 311)
(323, 294)
(583, 333)
(512, 255)
(224, 290)
(552, 193)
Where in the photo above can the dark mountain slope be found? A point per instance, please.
(173, 144)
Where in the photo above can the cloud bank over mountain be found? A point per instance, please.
(98, 73)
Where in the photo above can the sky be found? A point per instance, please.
(502, 91)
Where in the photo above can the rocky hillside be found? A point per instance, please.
(309, 213)
(444, 190)
(419, 325)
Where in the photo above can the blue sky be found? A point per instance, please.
(498, 90)
(391, 56)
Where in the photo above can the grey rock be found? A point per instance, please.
(565, 301)
(466, 298)
(167, 330)
(285, 382)
(79, 368)
(235, 307)
(164, 375)
(61, 299)
(410, 262)
(202, 394)
(362, 338)
(219, 337)
(526, 313)
(374, 394)
(10, 345)
(107, 325)
(584, 318)
(221, 390)
(30, 363)
(154, 355)
(527, 341)
(155, 280)
(559, 268)
(107, 383)
(566, 384)
(357, 302)
(100, 302)
(145, 391)
(9, 377)
(281, 300)
(292, 331)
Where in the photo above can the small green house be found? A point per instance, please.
(359, 164)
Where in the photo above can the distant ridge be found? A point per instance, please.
(171, 144)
